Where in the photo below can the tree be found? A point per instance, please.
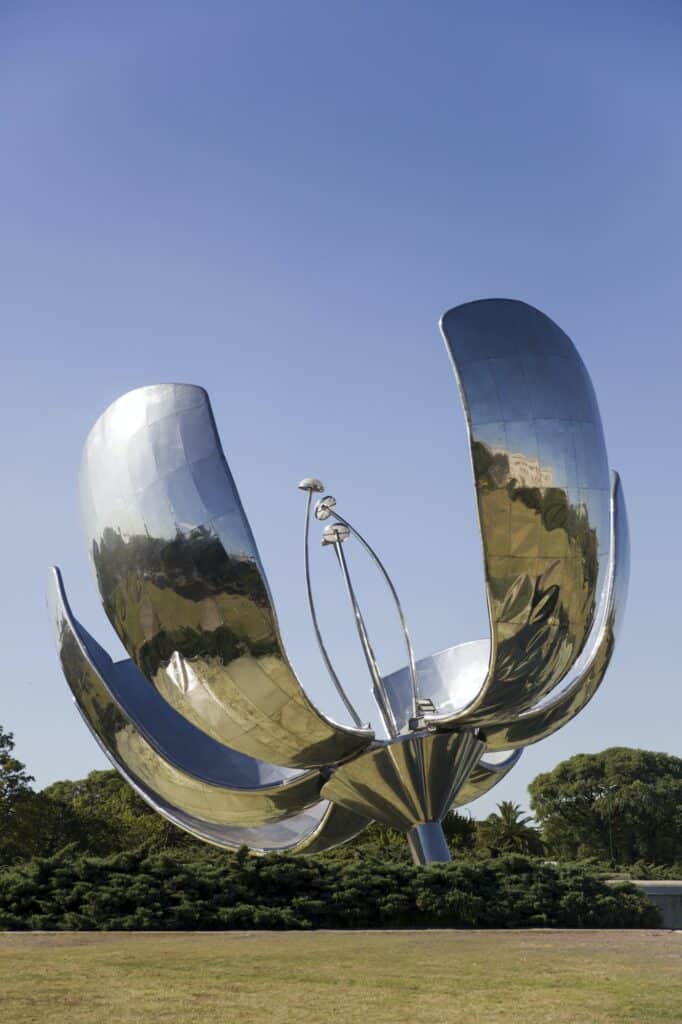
(621, 805)
(109, 815)
(509, 831)
(14, 779)
(378, 840)
(18, 821)
(460, 832)
(31, 825)
(100, 814)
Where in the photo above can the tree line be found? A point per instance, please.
(91, 854)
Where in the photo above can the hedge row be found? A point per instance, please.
(209, 889)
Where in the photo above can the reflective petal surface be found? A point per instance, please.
(590, 670)
(450, 679)
(542, 490)
(182, 583)
(407, 781)
(285, 816)
(207, 720)
(487, 773)
(161, 751)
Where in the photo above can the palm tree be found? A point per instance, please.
(509, 831)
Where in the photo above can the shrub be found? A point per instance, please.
(210, 889)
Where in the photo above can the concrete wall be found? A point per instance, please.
(668, 898)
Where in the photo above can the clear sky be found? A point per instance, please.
(278, 201)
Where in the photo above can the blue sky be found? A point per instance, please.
(278, 201)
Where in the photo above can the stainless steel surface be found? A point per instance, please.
(335, 533)
(181, 764)
(225, 743)
(407, 781)
(182, 583)
(450, 679)
(325, 507)
(428, 844)
(453, 677)
(591, 667)
(377, 682)
(542, 489)
(414, 695)
(487, 774)
(312, 485)
(337, 825)
(231, 800)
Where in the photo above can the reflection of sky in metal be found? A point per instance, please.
(157, 471)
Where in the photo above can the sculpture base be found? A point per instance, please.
(428, 844)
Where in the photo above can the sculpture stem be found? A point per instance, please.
(401, 615)
(378, 687)
(428, 844)
(313, 615)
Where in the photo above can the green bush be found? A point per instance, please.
(209, 889)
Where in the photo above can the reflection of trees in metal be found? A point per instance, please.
(282, 813)
(541, 600)
(530, 408)
(589, 671)
(225, 742)
(171, 576)
(190, 564)
(181, 580)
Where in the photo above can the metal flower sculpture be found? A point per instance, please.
(207, 719)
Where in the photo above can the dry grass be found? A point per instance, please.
(581, 977)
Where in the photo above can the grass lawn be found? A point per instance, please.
(535, 977)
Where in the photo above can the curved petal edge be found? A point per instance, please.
(183, 585)
(542, 490)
